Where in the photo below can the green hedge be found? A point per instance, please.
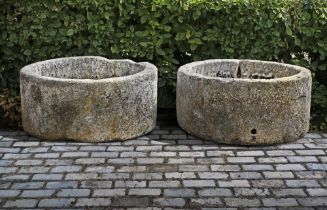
(168, 33)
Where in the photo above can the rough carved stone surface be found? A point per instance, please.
(244, 102)
(88, 98)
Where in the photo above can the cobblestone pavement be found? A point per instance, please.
(166, 169)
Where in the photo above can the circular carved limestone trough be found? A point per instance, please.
(244, 102)
(88, 98)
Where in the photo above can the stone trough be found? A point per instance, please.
(244, 102)
(88, 98)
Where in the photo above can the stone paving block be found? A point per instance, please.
(272, 160)
(280, 153)
(120, 148)
(149, 160)
(214, 202)
(163, 154)
(181, 160)
(105, 154)
(9, 150)
(241, 160)
(311, 174)
(131, 169)
(130, 201)
(149, 148)
(312, 135)
(147, 176)
(81, 176)
(21, 203)
(302, 159)
(62, 169)
(213, 175)
(90, 202)
(317, 166)
(179, 192)
(9, 193)
(165, 184)
(56, 202)
(204, 147)
(75, 154)
(220, 153)
(26, 144)
(245, 175)
(278, 175)
(234, 183)
(28, 162)
(188, 168)
(288, 192)
(242, 202)
(93, 148)
(250, 192)
(121, 161)
(279, 202)
(210, 161)
(317, 192)
(35, 149)
(31, 170)
(15, 177)
(133, 154)
(59, 162)
(6, 162)
(250, 153)
(290, 167)
(225, 168)
(314, 201)
(64, 148)
(8, 170)
(176, 202)
(109, 192)
(115, 176)
(47, 155)
(61, 184)
(144, 192)
(301, 183)
(199, 183)
(95, 184)
(73, 193)
(43, 177)
(180, 175)
(191, 154)
(177, 148)
(90, 160)
(212, 192)
(130, 184)
(276, 183)
(37, 193)
(99, 169)
(310, 152)
(27, 185)
(16, 156)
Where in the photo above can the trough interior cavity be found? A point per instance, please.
(245, 70)
(87, 68)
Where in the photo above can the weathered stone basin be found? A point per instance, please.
(88, 98)
(244, 102)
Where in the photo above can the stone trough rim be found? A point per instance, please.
(187, 69)
(28, 70)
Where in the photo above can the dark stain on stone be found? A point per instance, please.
(36, 94)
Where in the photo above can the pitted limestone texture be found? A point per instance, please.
(246, 102)
(89, 98)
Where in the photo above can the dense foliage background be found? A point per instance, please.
(167, 33)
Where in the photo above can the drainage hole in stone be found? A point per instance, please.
(254, 131)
